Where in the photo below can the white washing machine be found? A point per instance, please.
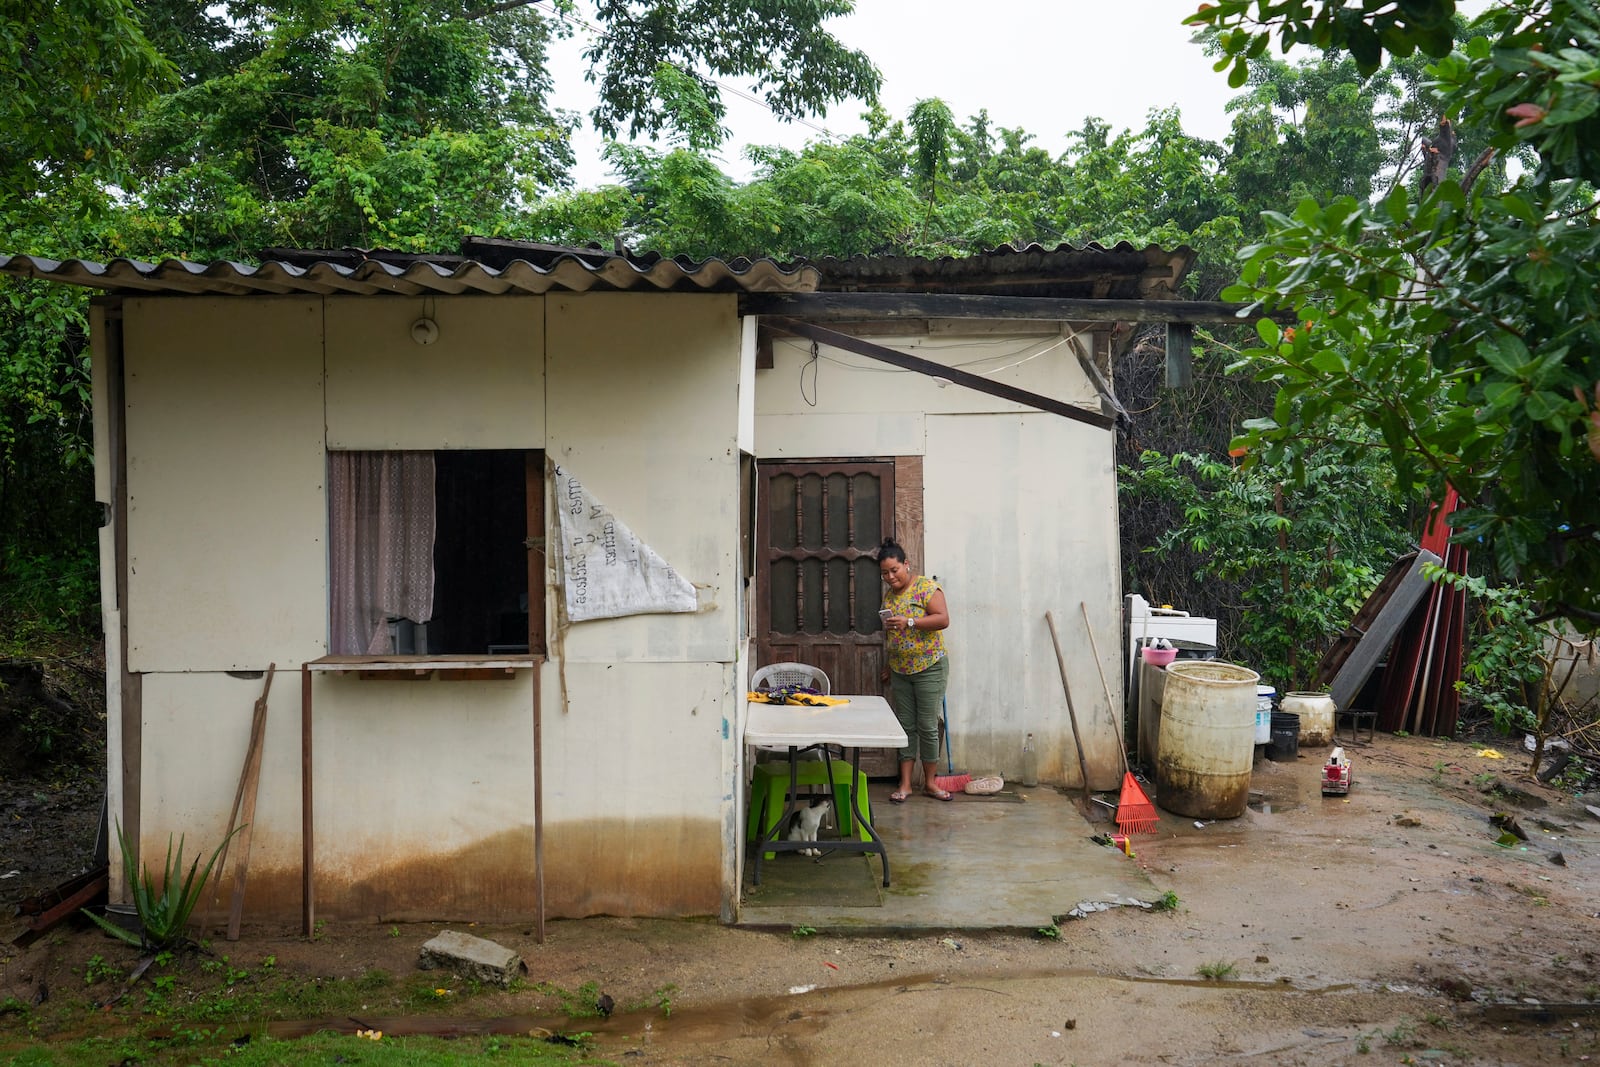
(1194, 634)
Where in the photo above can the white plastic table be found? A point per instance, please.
(865, 722)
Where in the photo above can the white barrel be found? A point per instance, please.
(1264, 697)
(1207, 739)
(1316, 716)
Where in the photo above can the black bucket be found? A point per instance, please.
(1285, 744)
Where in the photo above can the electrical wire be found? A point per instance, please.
(813, 364)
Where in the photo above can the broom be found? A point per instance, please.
(950, 781)
(1135, 813)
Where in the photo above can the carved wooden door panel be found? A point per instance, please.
(818, 586)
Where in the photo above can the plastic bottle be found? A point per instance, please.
(1030, 763)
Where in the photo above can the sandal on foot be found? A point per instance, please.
(937, 794)
(898, 797)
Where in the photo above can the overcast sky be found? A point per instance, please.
(1044, 66)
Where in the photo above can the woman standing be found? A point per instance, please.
(918, 667)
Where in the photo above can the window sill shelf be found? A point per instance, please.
(411, 668)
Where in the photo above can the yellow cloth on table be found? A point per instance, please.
(765, 696)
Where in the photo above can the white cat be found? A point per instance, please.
(804, 822)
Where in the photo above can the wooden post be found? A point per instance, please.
(308, 911)
(1180, 355)
(538, 804)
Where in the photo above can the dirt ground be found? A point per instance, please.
(1386, 927)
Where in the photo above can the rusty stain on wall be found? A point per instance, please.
(663, 868)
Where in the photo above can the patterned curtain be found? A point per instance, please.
(381, 524)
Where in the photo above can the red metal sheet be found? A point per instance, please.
(1405, 666)
(1449, 703)
(1437, 533)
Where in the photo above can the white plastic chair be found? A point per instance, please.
(776, 675)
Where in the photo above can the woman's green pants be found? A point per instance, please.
(918, 701)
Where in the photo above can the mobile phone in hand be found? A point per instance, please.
(885, 615)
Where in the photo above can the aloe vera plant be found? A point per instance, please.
(163, 910)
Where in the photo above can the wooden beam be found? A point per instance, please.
(1180, 355)
(834, 307)
(847, 343)
(763, 348)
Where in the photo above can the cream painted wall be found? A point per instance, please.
(1020, 514)
(226, 516)
(643, 410)
(480, 385)
(1021, 518)
(891, 433)
(641, 740)
(638, 393)
(844, 383)
(402, 769)
(196, 730)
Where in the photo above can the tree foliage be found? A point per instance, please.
(1300, 555)
(796, 67)
(75, 72)
(1459, 324)
(330, 123)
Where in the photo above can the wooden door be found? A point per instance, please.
(817, 583)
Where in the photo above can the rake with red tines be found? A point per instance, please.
(1135, 813)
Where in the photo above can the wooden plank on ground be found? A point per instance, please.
(249, 783)
(257, 729)
(70, 896)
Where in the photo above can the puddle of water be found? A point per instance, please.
(1275, 796)
(726, 1022)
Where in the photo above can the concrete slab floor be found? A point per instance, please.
(970, 864)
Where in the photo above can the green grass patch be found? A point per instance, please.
(198, 1047)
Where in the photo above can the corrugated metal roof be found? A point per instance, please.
(418, 276)
(495, 266)
(1090, 271)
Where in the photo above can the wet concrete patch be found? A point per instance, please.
(835, 881)
(1001, 866)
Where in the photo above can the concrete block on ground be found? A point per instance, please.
(472, 957)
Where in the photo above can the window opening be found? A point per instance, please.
(432, 552)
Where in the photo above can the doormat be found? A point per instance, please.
(1002, 797)
(836, 881)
